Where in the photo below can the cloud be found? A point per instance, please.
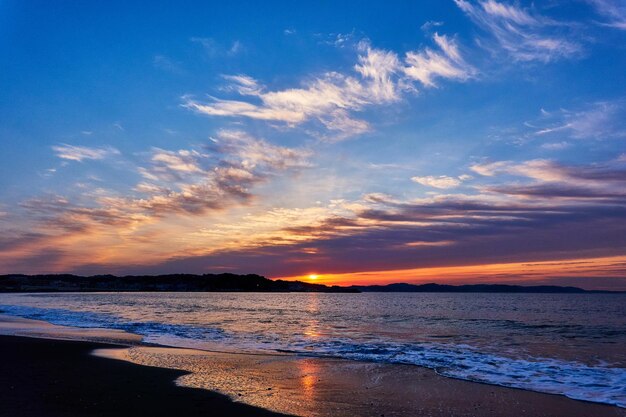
(194, 182)
(81, 153)
(614, 11)
(428, 26)
(166, 64)
(377, 67)
(215, 49)
(556, 190)
(537, 209)
(565, 208)
(556, 146)
(554, 180)
(326, 99)
(188, 182)
(235, 48)
(426, 65)
(255, 153)
(547, 170)
(441, 181)
(180, 161)
(98, 225)
(601, 120)
(524, 36)
(380, 78)
(481, 229)
(243, 84)
(337, 40)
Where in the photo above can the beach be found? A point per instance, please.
(44, 376)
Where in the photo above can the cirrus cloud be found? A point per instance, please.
(523, 35)
(81, 153)
(333, 98)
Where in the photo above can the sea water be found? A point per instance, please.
(568, 344)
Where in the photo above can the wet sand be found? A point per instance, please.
(333, 387)
(43, 377)
(17, 326)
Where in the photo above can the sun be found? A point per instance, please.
(313, 276)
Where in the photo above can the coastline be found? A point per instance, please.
(43, 375)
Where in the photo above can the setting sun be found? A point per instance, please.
(313, 276)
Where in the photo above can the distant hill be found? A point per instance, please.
(240, 283)
(473, 288)
(174, 282)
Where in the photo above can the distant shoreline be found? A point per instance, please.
(19, 283)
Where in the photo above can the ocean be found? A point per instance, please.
(567, 344)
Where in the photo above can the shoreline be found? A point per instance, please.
(291, 384)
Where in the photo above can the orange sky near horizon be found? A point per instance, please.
(575, 272)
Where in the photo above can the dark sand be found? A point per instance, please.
(42, 378)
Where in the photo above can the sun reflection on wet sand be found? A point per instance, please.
(309, 376)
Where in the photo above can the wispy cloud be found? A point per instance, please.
(523, 35)
(442, 181)
(613, 10)
(214, 49)
(569, 127)
(187, 181)
(601, 120)
(333, 98)
(167, 64)
(446, 63)
(428, 26)
(337, 40)
(255, 153)
(555, 180)
(556, 146)
(172, 165)
(81, 153)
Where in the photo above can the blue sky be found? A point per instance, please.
(288, 139)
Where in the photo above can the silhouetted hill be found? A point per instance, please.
(243, 283)
(174, 282)
(488, 288)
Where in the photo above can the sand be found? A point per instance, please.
(49, 378)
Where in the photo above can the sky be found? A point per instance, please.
(452, 141)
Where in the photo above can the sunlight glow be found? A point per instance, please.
(531, 272)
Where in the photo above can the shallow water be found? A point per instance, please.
(569, 344)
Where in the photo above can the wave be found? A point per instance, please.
(602, 384)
